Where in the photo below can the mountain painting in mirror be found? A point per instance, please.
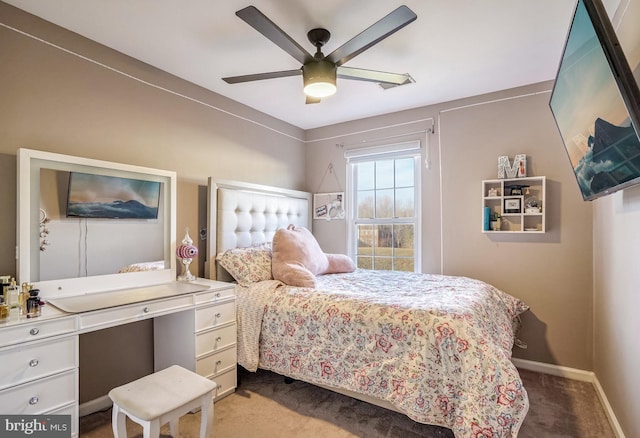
(101, 196)
(596, 105)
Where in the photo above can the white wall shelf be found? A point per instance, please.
(511, 199)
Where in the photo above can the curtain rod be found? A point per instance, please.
(391, 137)
(430, 130)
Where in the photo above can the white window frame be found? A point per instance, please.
(374, 153)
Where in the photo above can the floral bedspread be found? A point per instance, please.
(436, 347)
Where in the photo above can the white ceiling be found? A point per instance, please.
(455, 48)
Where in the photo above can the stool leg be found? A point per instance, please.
(174, 425)
(206, 415)
(151, 429)
(118, 422)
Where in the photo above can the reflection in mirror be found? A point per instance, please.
(123, 239)
(84, 247)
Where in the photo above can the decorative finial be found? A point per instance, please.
(186, 252)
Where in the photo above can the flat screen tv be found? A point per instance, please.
(110, 197)
(596, 105)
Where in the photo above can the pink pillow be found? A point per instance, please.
(297, 258)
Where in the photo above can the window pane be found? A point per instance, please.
(384, 174)
(403, 240)
(404, 202)
(365, 204)
(404, 172)
(403, 244)
(365, 262)
(365, 176)
(384, 240)
(384, 227)
(365, 240)
(401, 264)
(383, 263)
(384, 203)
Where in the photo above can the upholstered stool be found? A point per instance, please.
(163, 397)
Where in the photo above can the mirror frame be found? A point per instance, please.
(31, 161)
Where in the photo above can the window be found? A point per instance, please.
(384, 216)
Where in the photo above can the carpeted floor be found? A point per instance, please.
(264, 405)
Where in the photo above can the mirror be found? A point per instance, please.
(123, 237)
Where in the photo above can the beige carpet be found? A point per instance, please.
(264, 406)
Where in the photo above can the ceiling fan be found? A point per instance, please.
(318, 71)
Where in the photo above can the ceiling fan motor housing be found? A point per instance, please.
(319, 78)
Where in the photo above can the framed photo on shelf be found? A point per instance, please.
(512, 205)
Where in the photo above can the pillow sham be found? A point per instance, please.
(247, 265)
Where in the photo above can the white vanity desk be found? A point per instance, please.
(194, 326)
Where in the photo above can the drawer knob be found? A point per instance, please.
(218, 339)
(33, 363)
(218, 295)
(219, 363)
(218, 315)
(34, 331)
(33, 400)
(145, 310)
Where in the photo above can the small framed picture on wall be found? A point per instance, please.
(328, 206)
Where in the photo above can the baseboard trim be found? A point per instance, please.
(554, 370)
(99, 404)
(608, 410)
(575, 374)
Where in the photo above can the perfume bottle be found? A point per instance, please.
(34, 303)
(4, 309)
(4, 284)
(4, 304)
(22, 299)
(13, 294)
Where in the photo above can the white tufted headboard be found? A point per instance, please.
(244, 214)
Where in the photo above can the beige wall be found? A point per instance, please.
(59, 102)
(617, 277)
(551, 272)
(55, 101)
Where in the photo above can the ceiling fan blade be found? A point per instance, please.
(261, 76)
(310, 99)
(375, 33)
(381, 77)
(256, 19)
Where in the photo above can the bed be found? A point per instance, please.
(436, 348)
(142, 267)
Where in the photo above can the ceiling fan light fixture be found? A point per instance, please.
(319, 78)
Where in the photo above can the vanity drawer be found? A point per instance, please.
(214, 364)
(216, 315)
(133, 312)
(68, 410)
(34, 360)
(41, 395)
(215, 295)
(38, 329)
(226, 382)
(211, 341)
